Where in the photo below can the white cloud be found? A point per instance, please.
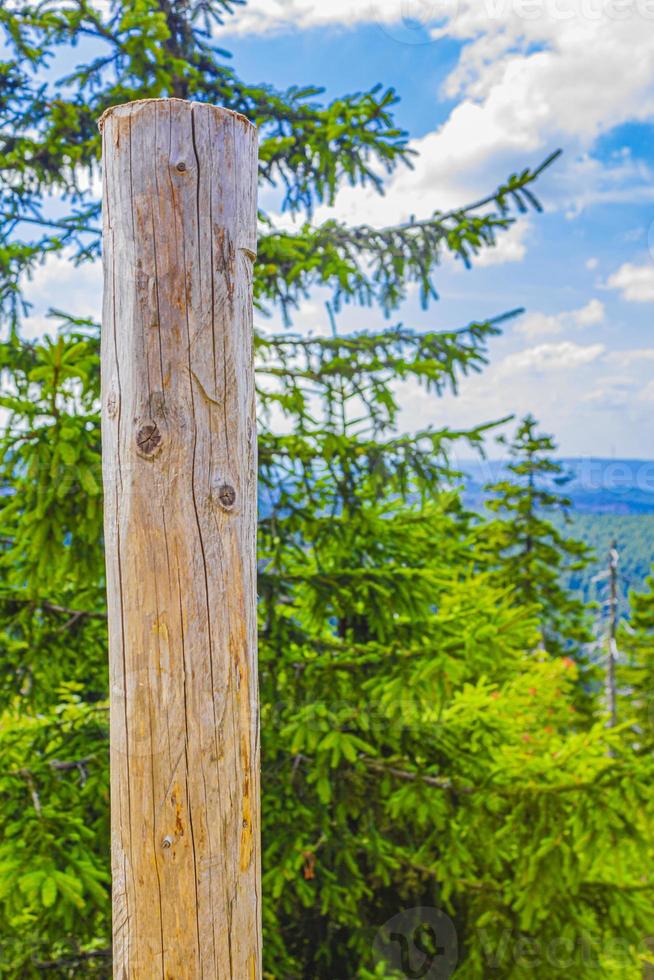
(412, 21)
(266, 16)
(591, 405)
(585, 181)
(532, 75)
(630, 358)
(541, 324)
(592, 263)
(635, 282)
(647, 393)
(511, 246)
(610, 392)
(593, 312)
(58, 284)
(574, 81)
(633, 235)
(550, 357)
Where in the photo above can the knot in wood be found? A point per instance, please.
(181, 167)
(226, 496)
(148, 439)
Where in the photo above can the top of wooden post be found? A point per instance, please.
(126, 107)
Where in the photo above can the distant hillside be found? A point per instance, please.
(634, 534)
(596, 486)
(612, 499)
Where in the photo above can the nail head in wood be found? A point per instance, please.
(112, 405)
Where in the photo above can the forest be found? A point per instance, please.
(435, 726)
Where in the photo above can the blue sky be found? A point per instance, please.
(488, 88)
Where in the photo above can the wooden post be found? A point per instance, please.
(179, 459)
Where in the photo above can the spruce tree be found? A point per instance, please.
(531, 552)
(415, 751)
(635, 666)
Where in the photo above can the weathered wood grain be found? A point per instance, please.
(179, 457)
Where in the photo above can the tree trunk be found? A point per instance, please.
(179, 458)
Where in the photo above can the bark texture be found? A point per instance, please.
(179, 457)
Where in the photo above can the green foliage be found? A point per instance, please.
(635, 668)
(531, 554)
(54, 878)
(418, 749)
